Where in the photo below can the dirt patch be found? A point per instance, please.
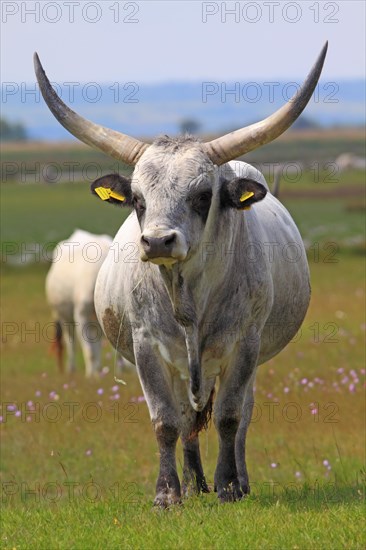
(117, 330)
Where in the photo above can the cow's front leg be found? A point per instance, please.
(227, 415)
(165, 417)
(167, 485)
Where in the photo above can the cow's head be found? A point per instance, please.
(177, 193)
(177, 188)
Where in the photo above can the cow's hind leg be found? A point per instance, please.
(193, 476)
(89, 335)
(68, 328)
(193, 422)
(241, 437)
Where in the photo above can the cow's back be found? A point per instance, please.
(71, 279)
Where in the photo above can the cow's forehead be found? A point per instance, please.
(173, 163)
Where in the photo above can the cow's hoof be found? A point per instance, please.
(244, 486)
(167, 498)
(204, 487)
(230, 493)
(195, 487)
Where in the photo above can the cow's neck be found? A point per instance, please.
(180, 295)
(192, 285)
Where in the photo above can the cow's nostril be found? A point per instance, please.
(170, 240)
(156, 247)
(145, 240)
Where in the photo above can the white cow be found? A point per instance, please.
(70, 287)
(194, 296)
(350, 161)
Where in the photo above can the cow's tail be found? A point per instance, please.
(58, 346)
(203, 417)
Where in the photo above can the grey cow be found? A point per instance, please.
(212, 280)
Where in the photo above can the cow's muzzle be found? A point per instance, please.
(163, 247)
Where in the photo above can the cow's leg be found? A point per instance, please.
(89, 335)
(165, 417)
(192, 422)
(167, 485)
(68, 329)
(241, 437)
(227, 415)
(193, 475)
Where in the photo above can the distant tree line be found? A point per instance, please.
(12, 132)
(189, 126)
(192, 126)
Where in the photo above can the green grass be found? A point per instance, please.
(113, 462)
(328, 232)
(45, 214)
(201, 523)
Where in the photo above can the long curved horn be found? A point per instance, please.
(239, 142)
(115, 144)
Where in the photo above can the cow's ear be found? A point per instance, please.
(113, 188)
(241, 193)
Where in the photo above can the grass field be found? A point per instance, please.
(79, 458)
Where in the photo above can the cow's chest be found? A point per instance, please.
(174, 356)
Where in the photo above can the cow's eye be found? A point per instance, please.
(204, 198)
(138, 205)
(201, 203)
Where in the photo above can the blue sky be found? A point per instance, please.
(158, 41)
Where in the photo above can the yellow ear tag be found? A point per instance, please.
(245, 196)
(102, 192)
(116, 196)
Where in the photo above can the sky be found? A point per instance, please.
(159, 41)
